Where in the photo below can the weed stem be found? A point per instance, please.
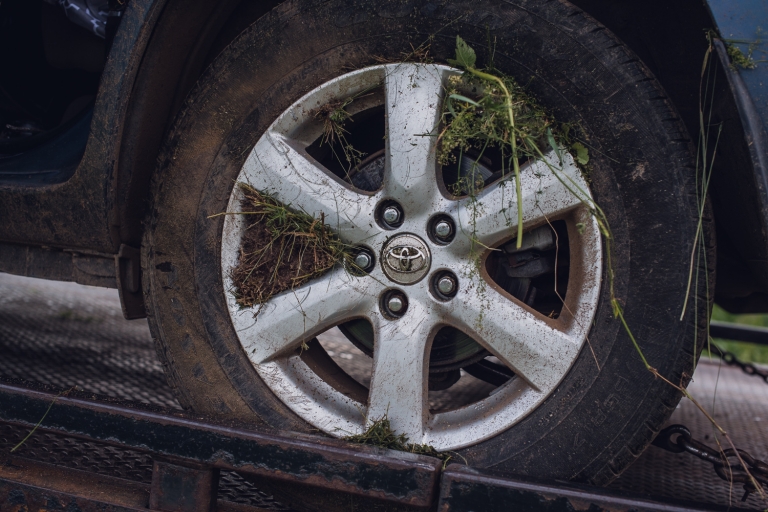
(41, 420)
(513, 142)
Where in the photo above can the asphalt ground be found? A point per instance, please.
(67, 335)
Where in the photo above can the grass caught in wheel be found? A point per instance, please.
(281, 249)
(334, 117)
(379, 433)
(485, 109)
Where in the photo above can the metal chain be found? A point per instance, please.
(733, 472)
(731, 360)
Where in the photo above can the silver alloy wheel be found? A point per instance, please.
(538, 349)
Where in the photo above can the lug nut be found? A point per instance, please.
(446, 285)
(395, 304)
(391, 215)
(442, 229)
(363, 260)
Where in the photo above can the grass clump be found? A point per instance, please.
(334, 116)
(281, 249)
(739, 59)
(485, 109)
(379, 433)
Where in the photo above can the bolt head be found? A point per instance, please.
(395, 304)
(391, 215)
(442, 229)
(446, 285)
(363, 260)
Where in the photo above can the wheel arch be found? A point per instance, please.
(186, 37)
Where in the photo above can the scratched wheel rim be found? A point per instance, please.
(538, 349)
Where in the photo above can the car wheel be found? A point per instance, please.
(512, 365)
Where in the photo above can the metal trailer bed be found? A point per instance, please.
(119, 441)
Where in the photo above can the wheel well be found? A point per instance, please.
(187, 37)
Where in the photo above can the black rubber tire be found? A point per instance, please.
(642, 174)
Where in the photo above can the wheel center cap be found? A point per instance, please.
(405, 258)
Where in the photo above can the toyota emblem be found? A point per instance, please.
(405, 258)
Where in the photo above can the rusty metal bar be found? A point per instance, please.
(189, 451)
(22, 498)
(27, 485)
(321, 462)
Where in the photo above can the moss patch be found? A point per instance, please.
(739, 59)
(380, 434)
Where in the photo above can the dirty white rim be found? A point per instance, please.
(539, 350)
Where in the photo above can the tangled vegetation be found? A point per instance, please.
(281, 249)
(334, 116)
(739, 59)
(501, 116)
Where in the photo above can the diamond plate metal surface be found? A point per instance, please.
(740, 405)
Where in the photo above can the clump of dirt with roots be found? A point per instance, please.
(281, 249)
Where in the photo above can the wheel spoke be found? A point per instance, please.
(298, 315)
(534, 350)
(277, 165)
(492, 215)
(413, 102)
(398, 383)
